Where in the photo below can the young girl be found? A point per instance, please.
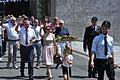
(67, 61)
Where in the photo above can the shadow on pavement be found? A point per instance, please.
(75, 77)
(22, 78)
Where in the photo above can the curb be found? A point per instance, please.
(80, 53)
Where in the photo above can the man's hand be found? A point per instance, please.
(16, 28)
(85, 50)
(92, 64)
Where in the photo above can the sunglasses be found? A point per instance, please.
(47, 29)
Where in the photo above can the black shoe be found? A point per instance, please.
(31, 78)
(94, 75)
(8, 65)
(22, 75)
(15, 67)
(89, 75)
(37, 66)
(57, 66)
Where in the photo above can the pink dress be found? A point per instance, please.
(48, 50)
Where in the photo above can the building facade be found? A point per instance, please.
(78, 13)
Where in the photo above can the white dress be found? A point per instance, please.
(48, 50)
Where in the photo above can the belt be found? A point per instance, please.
(27, 46)
(13, 40)
(103, 59)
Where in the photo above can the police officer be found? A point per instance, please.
(90, 32)
(102, 47)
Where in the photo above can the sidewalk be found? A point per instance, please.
(78, 47)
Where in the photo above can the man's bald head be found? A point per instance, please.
(26, 23)
(13, 20)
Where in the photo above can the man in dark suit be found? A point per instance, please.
(90, 32)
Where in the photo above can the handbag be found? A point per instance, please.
(57, 59)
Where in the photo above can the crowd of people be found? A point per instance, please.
(35, 39)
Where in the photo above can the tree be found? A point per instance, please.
(44, 10)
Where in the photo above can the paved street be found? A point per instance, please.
(79, 70)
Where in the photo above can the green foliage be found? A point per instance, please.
(43, 7)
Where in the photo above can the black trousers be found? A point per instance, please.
(91, 71)
(0, 51)
(27, 55)
(4, 46)
(105, 65)
(66, 70)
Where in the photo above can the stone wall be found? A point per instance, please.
(78, 13)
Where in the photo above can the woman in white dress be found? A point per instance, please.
(48, 50)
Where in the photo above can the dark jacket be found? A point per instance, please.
(89, 35)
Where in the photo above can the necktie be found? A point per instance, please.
(106, 49)
(94, 28)
(26, 41)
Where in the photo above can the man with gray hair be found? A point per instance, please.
(13, 38)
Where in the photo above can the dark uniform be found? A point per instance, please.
(90, 33)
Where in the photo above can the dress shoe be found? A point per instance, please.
(37, 66)
(22, 75)
(57, 66)
(15, 67)
(94, 75)
(90, 75)
(8, 65)
(31, 78)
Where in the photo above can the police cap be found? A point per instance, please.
(106, 24)
(94, 19)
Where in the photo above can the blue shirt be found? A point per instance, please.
(61, 31)
(98, 46)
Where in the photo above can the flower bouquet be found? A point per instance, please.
(64, 38)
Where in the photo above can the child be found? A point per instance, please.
(67, 61)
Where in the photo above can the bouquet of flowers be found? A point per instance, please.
(66, 38)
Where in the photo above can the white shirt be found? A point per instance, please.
(12, 34)
(37, 32)
(98, 46)
(67, 58)
(31, 34)
(1, 29)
